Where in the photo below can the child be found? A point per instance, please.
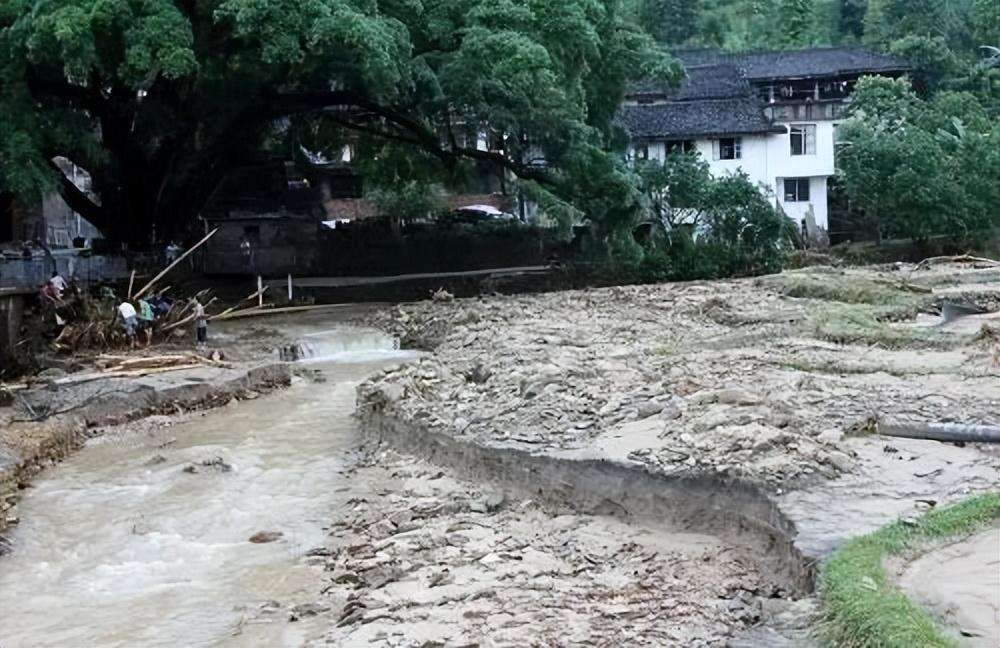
(201, 323)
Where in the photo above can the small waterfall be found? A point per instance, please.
(344, 344)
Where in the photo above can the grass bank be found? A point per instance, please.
(863, 609)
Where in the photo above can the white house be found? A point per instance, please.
(771, 114)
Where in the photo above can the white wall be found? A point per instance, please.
(817, 198)
(766, 159)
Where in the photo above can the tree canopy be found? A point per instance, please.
(921, 168)
(158, 98)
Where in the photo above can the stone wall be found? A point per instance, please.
(85, 269)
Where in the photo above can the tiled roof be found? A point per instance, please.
(697, 118)
(792, 64)
(716, 96)
(705, 82)
(817, 63)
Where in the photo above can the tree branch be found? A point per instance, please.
(423, 136)
(79, 201)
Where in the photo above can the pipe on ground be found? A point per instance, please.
(952, 432)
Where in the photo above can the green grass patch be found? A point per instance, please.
(829, 284)
(862, 609)
(862, 324)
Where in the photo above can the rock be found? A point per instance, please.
(309, 609)
(649, 408)
(670, 412)
(487, 503)
(830, 436)
(155, 460)
(52, 373)
(342, 577)
(737, 396)
(265, 536)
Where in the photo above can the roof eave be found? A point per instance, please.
(859, 72)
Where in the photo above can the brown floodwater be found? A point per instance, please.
(119, 546)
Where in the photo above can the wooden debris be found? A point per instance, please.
(152, 282)
(132, 367)
(254, 311)
(961, 258)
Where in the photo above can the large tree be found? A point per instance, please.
(158, 98)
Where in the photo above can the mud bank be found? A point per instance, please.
(736, 511)
(27, 447)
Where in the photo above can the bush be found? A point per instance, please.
(701, 227)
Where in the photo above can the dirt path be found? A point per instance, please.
(960, 584)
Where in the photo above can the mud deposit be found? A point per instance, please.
(430, 560)
(960, 584)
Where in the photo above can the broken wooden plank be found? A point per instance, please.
(152, 282)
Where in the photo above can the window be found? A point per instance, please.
(680, 146)
(803, 139)
(642, 152)
(727, 148)
(796, 189)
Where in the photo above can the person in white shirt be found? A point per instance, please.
(58, 284)
(129, 320)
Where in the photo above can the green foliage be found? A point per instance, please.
(986, 22)
(917, 168)
(671, 22)
(863, 608)
(851, 25)
(157, 98)
(796, 21)
(932, 63)
(703, 227)
(406, 200)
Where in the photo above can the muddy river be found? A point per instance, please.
(141, 537)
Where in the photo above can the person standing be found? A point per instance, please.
(201, 324)
(146, 318)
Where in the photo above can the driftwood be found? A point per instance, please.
(255, 311)
(134, 373)
(960, 258)
(952, 432)
(259, 291)
(126, 367)
(152, 282)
